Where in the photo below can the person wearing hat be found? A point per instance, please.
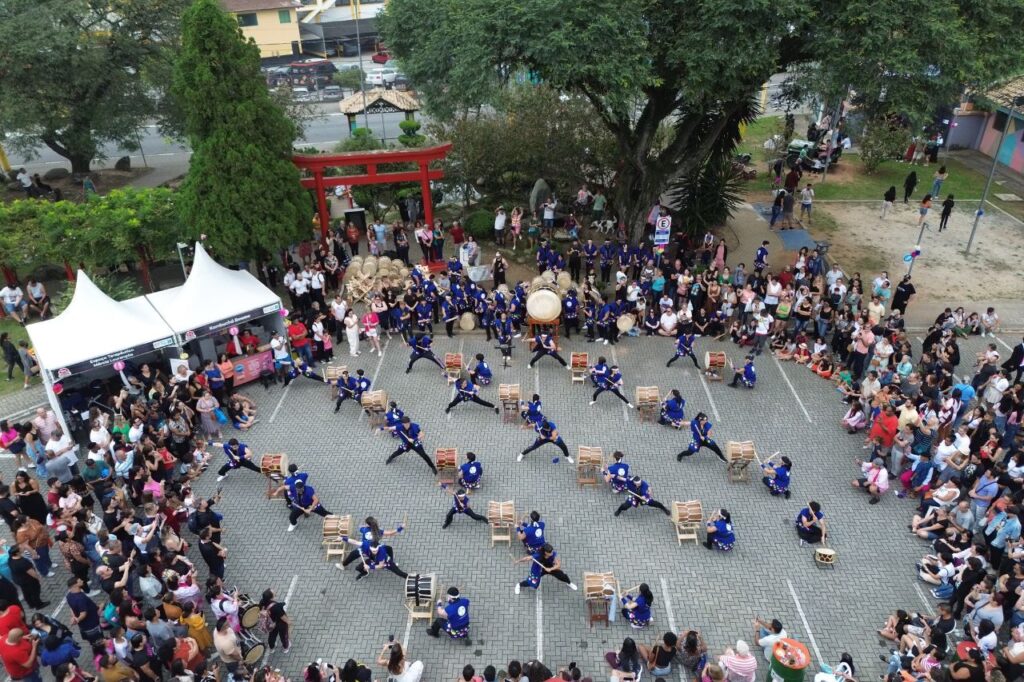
(610, 381)
(875, 480)
(700, 429)
(467, 391)
(409, 433)
(684, 348)
(460, 505)
(638, 494)
(748, 375)
(776, 477)
(452, 616)
(303, 503)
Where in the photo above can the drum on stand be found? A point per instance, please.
(370, 266)
(548, 276)
(251, 646)
(419, 589)
(625, 323)
(564, 280)
(248, 612)
(543, 303)
(274, 466)
(467, 322)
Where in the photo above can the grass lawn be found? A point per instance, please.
(755, 135)
(17, 333)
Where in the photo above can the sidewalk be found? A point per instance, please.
(1006, 180)
(159, 175)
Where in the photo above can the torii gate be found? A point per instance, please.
(317, 163)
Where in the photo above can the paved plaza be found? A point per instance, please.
(767, 575)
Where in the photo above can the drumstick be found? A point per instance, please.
(635, 587)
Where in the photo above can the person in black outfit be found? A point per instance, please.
(466, 391)
(212, 553)
(278, 619)
(900, 298)
(908, 185)
(26, 577)
(947, 210)
(971, 576)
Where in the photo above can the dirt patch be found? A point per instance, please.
(105, 180)
(865, 243)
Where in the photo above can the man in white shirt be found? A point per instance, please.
(15, 304)
(61, 458)
(316, 286)
(45, 420)
(834, 275)
(764, 325)
(767, 634)
(300, 287)
(499, 225)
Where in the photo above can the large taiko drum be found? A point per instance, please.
(564, 280)
(252, 648)
(467, 322)
(543, 304)
(370, 266)
(537, 282)
(248, 612)
(625, 322)
(548, 276)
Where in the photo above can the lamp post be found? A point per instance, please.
(356, 8)
(1014, 103)
(181, 257)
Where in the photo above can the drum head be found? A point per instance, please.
(624, 323)
(253, 654)
(249, 615)
(543, 305)
(467, 322)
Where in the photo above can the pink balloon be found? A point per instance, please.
(282, 312)
(118, 366)
(58, 389)
(233, 331)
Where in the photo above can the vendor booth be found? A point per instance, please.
(84, 352)
(222, 311)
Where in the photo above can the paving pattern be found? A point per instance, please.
(767, 575)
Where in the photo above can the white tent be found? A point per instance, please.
(213, 298)
(96, 331)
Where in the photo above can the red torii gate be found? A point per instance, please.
(316, 164)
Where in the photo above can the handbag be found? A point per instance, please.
(219, 414)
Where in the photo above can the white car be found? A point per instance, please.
(384, 77)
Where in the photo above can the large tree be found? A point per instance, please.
(242, 189)
(671, 80)
(77, 74)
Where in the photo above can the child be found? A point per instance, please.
(802, 356)
(787, 351)
(824, 368)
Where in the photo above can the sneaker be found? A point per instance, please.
(787, 494)
(286, 650)
(572, 586)
(592, 402)
(50, 574)
(497, 410)
(803, 543)
(93, 593)
(291, 527)
(629, 405)
(517, 588)
(519, 458)
(874, 500)
(529, 366)
(221, 477)
(340, 567)
(570, 460)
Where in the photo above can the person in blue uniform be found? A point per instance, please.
(460, 505)
(590, 312)
(607, 318)
(470, 472)
(424, 309)
(611, 382)
(547, 432)
(607, 255)
(347, 387)
(637, 610)
(589, 257)
(672, 410)
(503, 334)
(599, 371)
(570, 313)
(421, 349)
(409, 434)
(700, 428)
(544, 562)
(638, 494)
(531, 532)
(720, 531)
(392, 419)
(452, 616)
(449, 315)
(544, 344)
(374, 556)
(466, 391)
(810, 524)
(239, 456)
(304, 502)
(617, 473)
(684, 348)
(748, 375)
(481, 372)
(287, 486)
(400, 317)
(531, 412)
(371, 532)
(776, 477)
(362, 386)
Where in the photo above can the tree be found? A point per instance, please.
(883, 140)
(690, 68)
(76, 75)
(349, 79)
(242, 190)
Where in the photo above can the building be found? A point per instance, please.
(980, 129)
(330, 26)
(272, 24)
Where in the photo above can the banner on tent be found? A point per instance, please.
(111, 358)
(249, 367)
(221, 325)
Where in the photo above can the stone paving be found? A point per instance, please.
(767, 575)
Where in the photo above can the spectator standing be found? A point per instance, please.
(20, 654)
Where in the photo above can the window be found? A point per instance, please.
(247, 20)
(1000, 121)
(284, 16)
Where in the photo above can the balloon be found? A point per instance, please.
(282, 312)
(907, 258)
(233, 331)
(119, 365)
(183, 356)
(58, 389)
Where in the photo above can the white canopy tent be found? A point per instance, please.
(95, 331)
(212, 299)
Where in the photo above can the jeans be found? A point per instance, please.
(776, 212)
(759, 341)
(823, 328)
(306, 353)
(1009, 435)
(42, 561)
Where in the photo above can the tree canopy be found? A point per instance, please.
(77, 74)
(242, 189)
(672, 80)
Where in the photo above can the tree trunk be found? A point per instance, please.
(635, 192)
(80, 163)
(147, 279)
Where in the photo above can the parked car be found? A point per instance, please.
(401, 82)
(381, 58)
(302, 94)
(384, 77)
(331, 93)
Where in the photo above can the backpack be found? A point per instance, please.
(193, 523)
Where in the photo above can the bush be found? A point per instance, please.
(480, 224)
(882, 141)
